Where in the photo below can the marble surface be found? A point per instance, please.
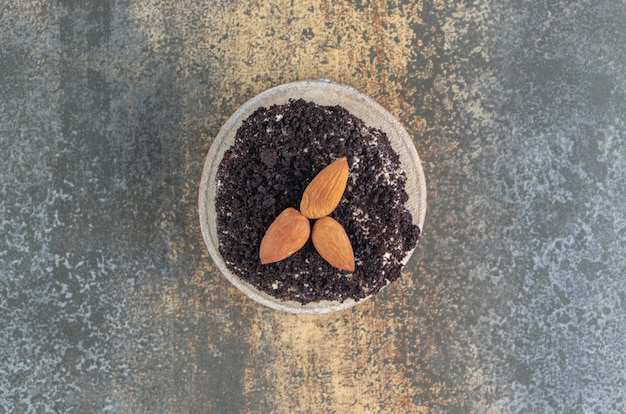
(514, 301)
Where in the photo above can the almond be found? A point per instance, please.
(332, 243)
(285, 236)
(324, 192)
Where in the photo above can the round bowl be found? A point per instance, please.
(321, 92)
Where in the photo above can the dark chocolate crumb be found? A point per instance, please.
(276, 153)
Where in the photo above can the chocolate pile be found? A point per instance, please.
(276, 153)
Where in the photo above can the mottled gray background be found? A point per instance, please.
(514, 301)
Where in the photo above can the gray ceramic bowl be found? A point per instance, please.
(321, 92)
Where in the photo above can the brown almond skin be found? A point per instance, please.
(324, 192)
(285, 236)
(332, 243)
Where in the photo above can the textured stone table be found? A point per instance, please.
(514, 302)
